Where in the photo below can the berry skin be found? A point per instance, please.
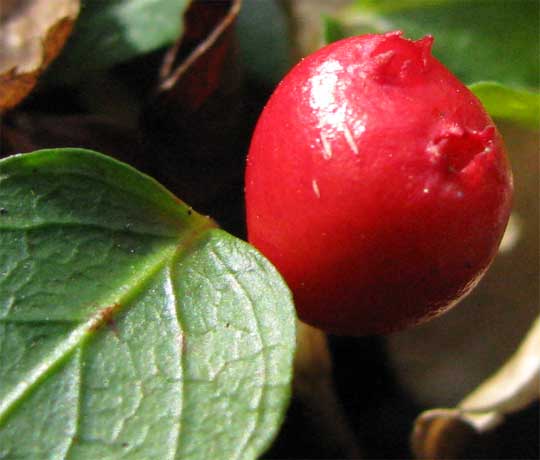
(377, 184)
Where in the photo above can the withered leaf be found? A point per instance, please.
(198, 114)
(441, 433)
(193, 68)
(32, 33)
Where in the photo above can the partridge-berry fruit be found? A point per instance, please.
(377, 184)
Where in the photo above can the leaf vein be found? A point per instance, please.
(77, 337)
(174, 307)
(236, 280)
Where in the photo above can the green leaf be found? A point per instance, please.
(479, 40)
(115, 31)
(333, 29)
(130, 326)
(264, 41)
(516, 105)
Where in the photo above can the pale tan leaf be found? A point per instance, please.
(513, 387)
(32, 33)
(441, 433)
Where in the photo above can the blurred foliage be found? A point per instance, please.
(478, 40)
(519, 105)
(111, 32)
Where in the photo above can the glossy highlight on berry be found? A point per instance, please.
(377, 184)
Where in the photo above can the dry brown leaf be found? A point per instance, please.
(208, 32)
(197, 115)
(32, 33)
(442, 433)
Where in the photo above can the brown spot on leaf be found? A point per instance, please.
(106, 317)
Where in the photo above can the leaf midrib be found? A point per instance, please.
(185, 242)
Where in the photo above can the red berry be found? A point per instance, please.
(377, 185)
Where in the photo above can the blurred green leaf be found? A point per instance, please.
(111, 32)
(333, 29)
(479, 40)
(391, 6)
(130, 326)
(264, 40)
(511, 104)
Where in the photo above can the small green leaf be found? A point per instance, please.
(333, 29)
(115, 31)
(130, 326)
(516, 105)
